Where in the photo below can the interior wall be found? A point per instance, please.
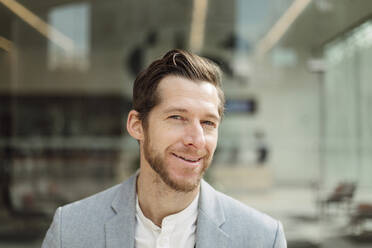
(290, 114)
(287, 97)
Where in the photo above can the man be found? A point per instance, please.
(178, 106)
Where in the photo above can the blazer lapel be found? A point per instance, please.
(120, 229)
(210, 219)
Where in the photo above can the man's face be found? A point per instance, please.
(182, 131)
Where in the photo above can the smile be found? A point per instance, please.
(187, 159)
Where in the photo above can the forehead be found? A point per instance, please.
(183, 92)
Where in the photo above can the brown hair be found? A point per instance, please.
(178, 63)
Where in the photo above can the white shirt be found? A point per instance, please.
(177, 230)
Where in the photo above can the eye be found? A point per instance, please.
(175, 117)
(209, 123)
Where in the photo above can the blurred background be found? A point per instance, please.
(296, 141)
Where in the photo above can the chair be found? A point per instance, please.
(341, 195)
(362, 214)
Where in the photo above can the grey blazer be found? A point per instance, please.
(107, 219)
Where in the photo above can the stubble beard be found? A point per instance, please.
(157, 163)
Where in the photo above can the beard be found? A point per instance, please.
(158, 164)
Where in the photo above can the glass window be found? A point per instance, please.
(71, 26)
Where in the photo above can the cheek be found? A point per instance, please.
(172, 132)
(165, 138)
(212, 142)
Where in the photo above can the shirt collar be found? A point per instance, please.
(188, 214)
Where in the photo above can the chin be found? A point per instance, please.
(183, 183)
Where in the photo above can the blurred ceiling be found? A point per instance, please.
(318, 23)
(324, 20)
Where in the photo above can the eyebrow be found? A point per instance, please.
(182, 110)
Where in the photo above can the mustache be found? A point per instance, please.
(192, 152)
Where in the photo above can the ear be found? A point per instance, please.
(134, 125)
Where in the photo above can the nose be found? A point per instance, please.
(195, 135)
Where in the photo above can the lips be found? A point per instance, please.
(187, 159)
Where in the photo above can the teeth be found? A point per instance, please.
(189, 160)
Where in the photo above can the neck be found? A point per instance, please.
(157, 200)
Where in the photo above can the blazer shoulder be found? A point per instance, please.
(104, 201)
(247, 224)
(98, 200)
(91, 212)
(236, 208)
(232, 210)
(83, 223)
